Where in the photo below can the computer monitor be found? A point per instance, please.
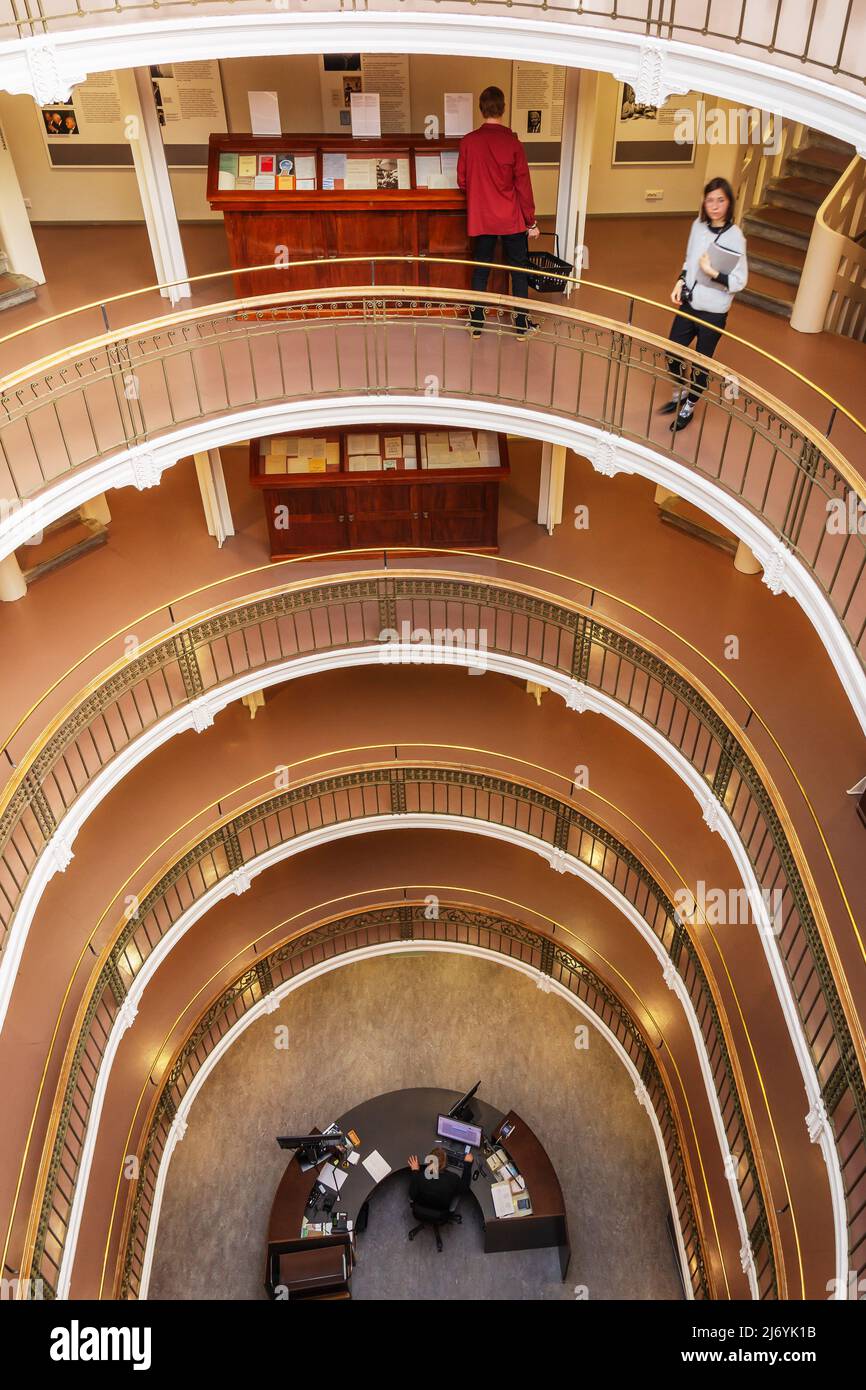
(447, 1128)
(462, 1109)
(311, 1148)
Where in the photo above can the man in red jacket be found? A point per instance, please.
(494, 175)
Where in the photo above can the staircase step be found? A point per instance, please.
(775, 296)
(819, 163)
(775, 259)
(779, 224)
(830, 142)
(799, 194)
(15, 289)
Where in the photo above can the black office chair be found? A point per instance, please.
(434, 1217)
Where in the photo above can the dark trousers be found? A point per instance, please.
(707, 336)
(514, 250)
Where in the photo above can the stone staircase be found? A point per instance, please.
(779, 228)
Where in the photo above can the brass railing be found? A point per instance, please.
(338, 800)
(377, 926)
(202, 655)
(131, 388)
(823, 37)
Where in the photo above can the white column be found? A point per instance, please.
(154, 184)
(12, 585)
(212, 485)
(578, 125)
(552, 485)
(16, 234)
(96, 509)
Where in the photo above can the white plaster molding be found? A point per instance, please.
(670, 974)
(59, 856)
(146, 468)
(607, 457)
(642, 1096)
(544, 982)
(271, 1002)
(712, 813)
(651, 82)
(559, 861)
(239, 881)
(177, 1129)
(747, 1259)
(817, 1121)
(202, 717)
(577, 697)
(52, 70)
(777, 567)
(126, 1015)
(67, 493)
(682, 67)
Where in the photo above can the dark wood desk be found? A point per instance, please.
(400, 1123)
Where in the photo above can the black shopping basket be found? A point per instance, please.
(541, 263)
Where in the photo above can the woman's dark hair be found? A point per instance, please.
(491, 102)
(722, 186)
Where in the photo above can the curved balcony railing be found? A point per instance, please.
(199, 657)
(822, 38)
(375, 927)
(338, 800)
(130, 395)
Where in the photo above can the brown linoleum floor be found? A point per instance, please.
(382, 1025)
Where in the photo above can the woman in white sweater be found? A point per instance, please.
(706, 292)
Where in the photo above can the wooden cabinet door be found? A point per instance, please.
(460, 514)
(382, 514)
(306, 520)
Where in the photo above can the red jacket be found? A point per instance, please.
(493, 173)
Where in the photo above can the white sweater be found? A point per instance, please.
(707, 293)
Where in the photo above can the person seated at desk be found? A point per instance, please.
(433, 1186)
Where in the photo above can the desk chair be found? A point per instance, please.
(435, 1217)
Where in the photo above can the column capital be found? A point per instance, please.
(52, 76)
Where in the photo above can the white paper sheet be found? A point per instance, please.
(458, 113)
(376, 1166)
(360, 173)
(264, 113)
(503, 1199)
(332, 1177)
(425, 166)
(305, 166)
(333, 166)
(362, 443)
(449, 167)
(366, 119)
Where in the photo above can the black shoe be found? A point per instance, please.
(684, 417)
(669, 407)
(474, 330)
(529, 327)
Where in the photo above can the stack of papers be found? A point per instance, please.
(376, 1166)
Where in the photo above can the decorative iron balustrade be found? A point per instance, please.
(376, 926)
(823, 37)
(331, 801)
(312, 618)
(130, 390)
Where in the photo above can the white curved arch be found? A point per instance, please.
(47, 68)
(124, 469)
(199, 714)
(365, 825)
(386, 948)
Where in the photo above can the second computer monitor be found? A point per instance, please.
(446, 1128)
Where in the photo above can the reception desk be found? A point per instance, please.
(400, 1123)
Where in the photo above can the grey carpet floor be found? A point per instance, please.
(419, 1020)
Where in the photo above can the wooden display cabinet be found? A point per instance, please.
(342, 506)
(321, 222)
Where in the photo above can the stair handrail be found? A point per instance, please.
(832, 292)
